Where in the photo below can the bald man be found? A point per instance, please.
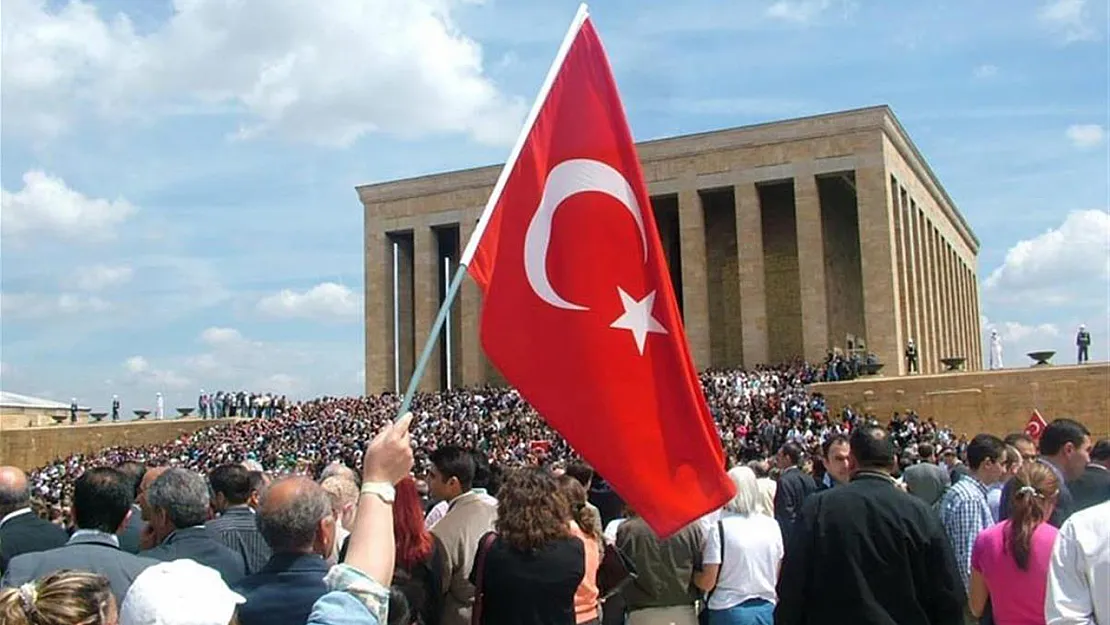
(295, 517)
(21, 531)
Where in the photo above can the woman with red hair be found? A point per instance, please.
(419, 565)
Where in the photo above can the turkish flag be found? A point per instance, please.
(579, 313)
(1036, 425)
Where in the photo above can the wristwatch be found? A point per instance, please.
(384, 490)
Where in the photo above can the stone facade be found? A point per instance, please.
(785, 240)
(998, 402)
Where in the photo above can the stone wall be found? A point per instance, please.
(33, 447)
(998, 402)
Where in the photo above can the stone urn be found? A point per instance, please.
(183, 413)
(97, 417)
(1041, 359)
(954, 363)
(141, 414)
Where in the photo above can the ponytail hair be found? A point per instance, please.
(575, 494)
(1031, 502)
(59, 598)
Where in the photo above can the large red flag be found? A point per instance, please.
(579, 313)
(1036, 425)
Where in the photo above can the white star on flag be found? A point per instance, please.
(637, 318)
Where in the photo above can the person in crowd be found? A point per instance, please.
(584, 473)
(147, 539)
(664, 590)
(21, 530)
(1011, 464)
(236, 526)
(529, 570)
(1065, 448)
(101, 507)
(1009, 562)
(1092, 487)
(259, 482)
(950, 461)
(1079, 573)
(343, 494)
(180, 591)
(129, 539)
(339, 469)
(585, 525)
(60, 598)
(835, 455)
(742, 559)
(469, 516)
(296, 519)
(794, 485)
(890, 561)
(964, 510)
(768, 487)
(420, 560)
(926, 480)
(1024, 443)
(358, 591)
(179, 504)
(602, 496)
(479, 486)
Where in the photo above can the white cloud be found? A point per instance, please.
(327, 300)
(47, 206)
(798, 11)
(99, 277)
(1012, 331)
(326, 77)
(1086, 135)
(986, 71)
(138, 369)
(221, 336)
(1067, 19)
(43, 306)
(1058, 266)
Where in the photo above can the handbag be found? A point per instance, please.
(479, 574)
(615, 572)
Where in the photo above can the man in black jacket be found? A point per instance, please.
(868, 554)
(179, 505)
(793, 488)
(21, 530)
(1093, 487)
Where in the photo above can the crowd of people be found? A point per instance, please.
(472, 510)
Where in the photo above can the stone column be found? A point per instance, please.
(929, 272)
(470, 300)
(910, 219)
(425, 301)
(377, 304)
(901, 244)
(695, 294)
(945, 297)
(878, 265)
(753, 296)
(811, 264)
(978, 321)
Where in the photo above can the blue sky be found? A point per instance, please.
(178, 178)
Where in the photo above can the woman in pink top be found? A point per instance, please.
(1009, 562)
(586, 525)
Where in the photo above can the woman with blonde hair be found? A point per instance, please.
(741, 559)
(529, 570)
(585, 524)
(1010, 560)
(60, 598)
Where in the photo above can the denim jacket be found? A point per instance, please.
(353, 598)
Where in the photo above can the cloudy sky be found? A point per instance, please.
(178, 207)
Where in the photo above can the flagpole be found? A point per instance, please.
(483, 221)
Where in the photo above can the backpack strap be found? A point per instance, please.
(479, 577)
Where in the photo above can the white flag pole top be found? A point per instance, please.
(495, 196)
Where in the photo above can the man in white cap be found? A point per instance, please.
(159, 407)
(1082, 344)
(181, 592)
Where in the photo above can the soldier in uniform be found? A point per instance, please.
(911, 357)
(1083, 343)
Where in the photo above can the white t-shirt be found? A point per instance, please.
(753, 551)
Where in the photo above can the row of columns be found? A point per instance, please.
(939, 292)
(876, 252)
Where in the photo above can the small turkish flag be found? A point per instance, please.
(579, 313)
(1036, 425)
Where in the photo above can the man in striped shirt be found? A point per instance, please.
(236, 526)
